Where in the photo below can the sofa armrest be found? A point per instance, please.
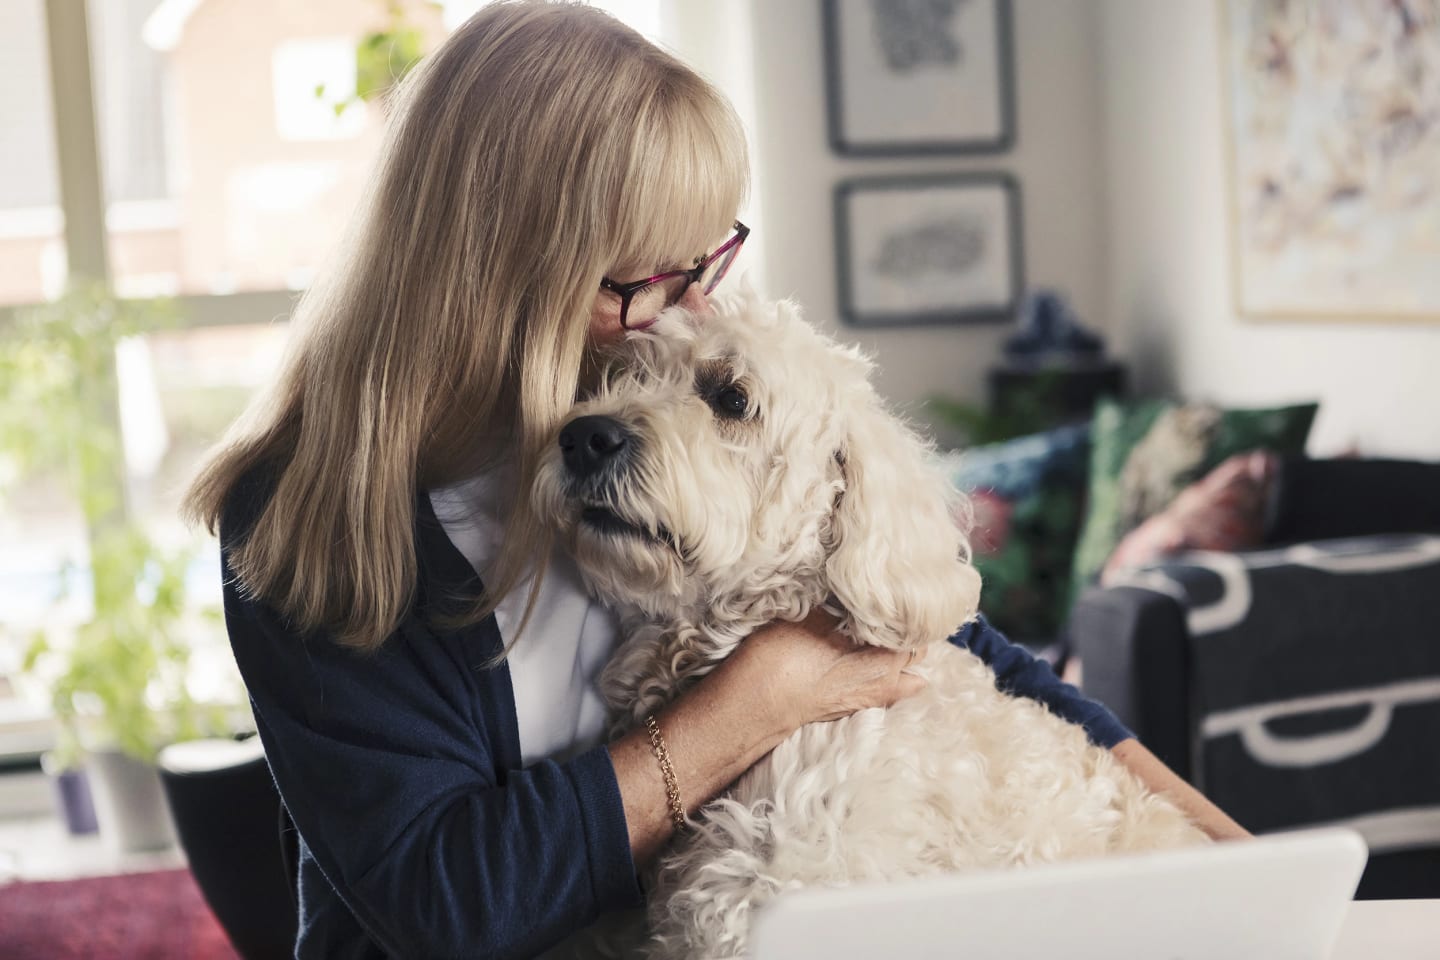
(1296, 687)
(1131, 644)
(1299, 686)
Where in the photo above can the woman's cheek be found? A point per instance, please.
(605, 321)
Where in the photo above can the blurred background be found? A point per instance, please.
(1217, 217)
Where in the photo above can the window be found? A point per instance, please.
(32, 256)
(233, 148)
(233, 152)
(179, 390)
(314, 86)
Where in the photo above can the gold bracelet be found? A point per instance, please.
(672, 790)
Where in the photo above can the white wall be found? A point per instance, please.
(722, 48)
(1168, 281)
(1057, 160)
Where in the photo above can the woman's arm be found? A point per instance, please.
(1160, 778)
(1021, 674)
(783, 676)
(396, 770)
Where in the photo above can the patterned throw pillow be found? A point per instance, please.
(1226, 512)
(1027, 496)
(1144, 454)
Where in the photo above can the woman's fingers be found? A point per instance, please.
(896, 679)
(907, 685)
(910, 682)
(816, 673)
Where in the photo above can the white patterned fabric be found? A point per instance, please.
(1315, 686)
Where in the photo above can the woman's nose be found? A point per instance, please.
(695, 300)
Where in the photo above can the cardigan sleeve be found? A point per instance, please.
(1019, 673)
(392, 768)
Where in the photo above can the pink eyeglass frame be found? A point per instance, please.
(627, 291)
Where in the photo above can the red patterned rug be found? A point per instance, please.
(139, 916)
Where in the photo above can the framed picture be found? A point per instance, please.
(1334, 158)
(930, 77)
(936, 249)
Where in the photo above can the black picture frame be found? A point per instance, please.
(899, 288)
(925, 133)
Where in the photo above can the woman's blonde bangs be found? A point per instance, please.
(689, 178)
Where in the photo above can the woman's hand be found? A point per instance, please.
(780, 678)
(806, 672)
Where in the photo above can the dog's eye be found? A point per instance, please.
(730, 402)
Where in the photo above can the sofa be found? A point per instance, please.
(1296, 684)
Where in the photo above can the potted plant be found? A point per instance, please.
(117, 682)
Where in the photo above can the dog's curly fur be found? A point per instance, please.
(720, 521)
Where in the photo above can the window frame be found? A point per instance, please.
(81, 185)
(82, 194)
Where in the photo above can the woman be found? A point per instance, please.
(446, 773)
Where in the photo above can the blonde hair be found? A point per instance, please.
(539, 146)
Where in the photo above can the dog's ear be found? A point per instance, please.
(899, 558)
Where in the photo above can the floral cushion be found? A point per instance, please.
(1143, 455)
(1026, 495)
(1225, 511)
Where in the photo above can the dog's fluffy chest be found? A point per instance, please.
(958, 777)
(935, 783)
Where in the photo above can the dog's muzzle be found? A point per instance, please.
(591, 445)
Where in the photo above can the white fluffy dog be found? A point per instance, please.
(760, 476)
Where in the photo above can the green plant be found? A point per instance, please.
(975, 424)
(1030, 409)
(383, 57)
(120, 676)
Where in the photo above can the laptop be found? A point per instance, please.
(1281, 897)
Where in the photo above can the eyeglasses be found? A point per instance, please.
(642, 300)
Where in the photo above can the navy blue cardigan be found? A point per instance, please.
(422, 836)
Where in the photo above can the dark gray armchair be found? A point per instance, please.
(1294, 686)
(1299, 684)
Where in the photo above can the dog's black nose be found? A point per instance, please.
(589, 443)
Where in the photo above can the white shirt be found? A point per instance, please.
(556, 664)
